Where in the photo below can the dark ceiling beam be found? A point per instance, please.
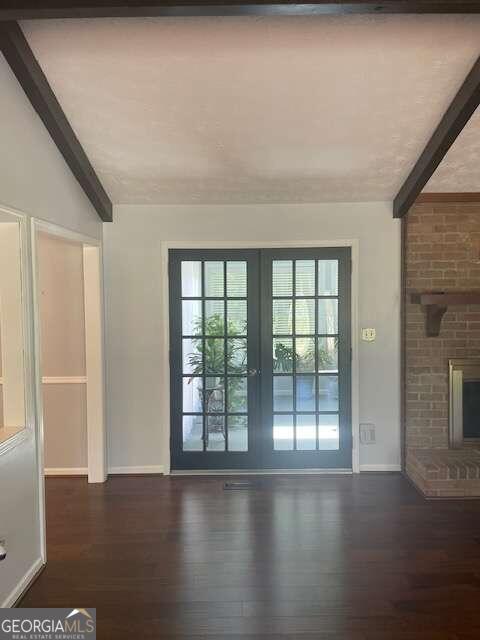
(38, 9)
(456, 117)
(29, 74)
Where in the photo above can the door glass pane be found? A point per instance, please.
(312, 350)
(305, 359)
(214, 355)
(214, 395)
(328, 315)
(214, 342)
(305, 277)
(237, 355)
(304, 316)
(283, 432)
(237, 317)
(193, 395)
(282, 317)
(214, 317)
(306, 432)
(191, 317)
(192, 356)
(282, 355)
(191, 279)
(215, 433)
(237, 395)
(328, 432)
(328, 393)
(237, 279)
(328, 277)
(192, 433)
(328, 354)
(237, 433)
(283, 393)
(305, 393)
(214, 286)
(282, 277)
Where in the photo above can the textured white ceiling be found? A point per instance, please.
(460, 169)
(239, 110)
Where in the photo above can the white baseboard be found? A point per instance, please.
(23, 585)
(159, 469)
(66, 471)
(262, 472)
(83, 471)
(380, 467)
(149, 469)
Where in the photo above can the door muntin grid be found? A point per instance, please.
(305, 344)
(215, 381)
(253, 414)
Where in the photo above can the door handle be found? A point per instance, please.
(253, 372)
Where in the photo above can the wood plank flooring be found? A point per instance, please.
(304, 558)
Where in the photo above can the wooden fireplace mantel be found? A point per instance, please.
(436, 304)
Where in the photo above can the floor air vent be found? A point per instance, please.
(238, 486)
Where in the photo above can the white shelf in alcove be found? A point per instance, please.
(64, 379)
(60, 380)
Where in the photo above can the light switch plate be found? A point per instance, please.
(369, 334)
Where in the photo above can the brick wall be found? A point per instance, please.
(442, 254)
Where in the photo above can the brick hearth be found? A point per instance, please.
(443, 473)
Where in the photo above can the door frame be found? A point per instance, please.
(94, 347)
(220, 244)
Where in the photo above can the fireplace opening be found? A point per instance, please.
(464, 406)
(471, 408)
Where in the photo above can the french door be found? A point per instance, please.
(260, 359)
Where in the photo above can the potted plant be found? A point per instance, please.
(209, 357)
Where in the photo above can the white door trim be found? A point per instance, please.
(95, 349)
(178, 244)
(95, 364)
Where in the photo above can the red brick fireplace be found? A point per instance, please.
(442, 255)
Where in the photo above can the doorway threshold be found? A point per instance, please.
(259, 472)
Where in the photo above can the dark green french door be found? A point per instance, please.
(260, 359)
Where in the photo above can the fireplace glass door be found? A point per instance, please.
(464, 375)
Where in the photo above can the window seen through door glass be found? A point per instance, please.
(305, 354)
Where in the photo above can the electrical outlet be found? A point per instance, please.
(367, 433)
(369, 334)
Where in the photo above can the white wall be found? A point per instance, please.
(34, 179)
(33, 174)
(133, 263)
(62, 322)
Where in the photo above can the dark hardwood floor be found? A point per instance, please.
(312, 557)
